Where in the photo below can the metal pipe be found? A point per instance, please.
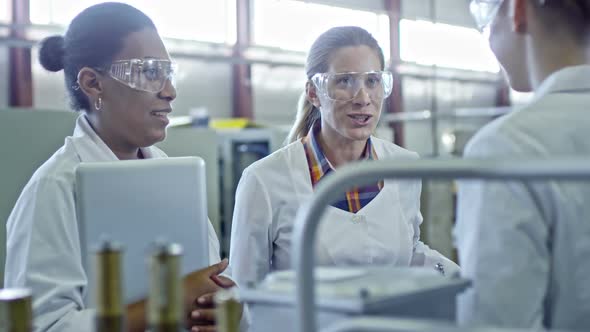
(267, 55)
(457, 113)
(423, 72)
(395, 103)
(309, 215)
(386, 324)
(433, 92)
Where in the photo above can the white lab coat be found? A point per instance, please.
(43, 245)
(527, 247)
(386, 231)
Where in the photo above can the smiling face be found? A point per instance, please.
(356, 119)
(134, 118)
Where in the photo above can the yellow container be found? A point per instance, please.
(16, 314)
(235, 123)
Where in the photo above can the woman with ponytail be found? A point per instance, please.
(526, 245)
(373, 225)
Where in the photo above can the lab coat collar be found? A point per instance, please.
(91, 148)
(574, 79)
(314, 148)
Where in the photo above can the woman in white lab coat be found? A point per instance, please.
(526, 246)
(121, 118)
(373, 225)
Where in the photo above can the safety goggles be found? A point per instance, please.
(345, 86)
(484, 12)
(148, 75)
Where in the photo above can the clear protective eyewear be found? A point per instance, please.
(148, 75)
(484, 12)
(346, 86)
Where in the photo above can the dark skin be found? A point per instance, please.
(200, 284)
(202, 317)
(128, 120)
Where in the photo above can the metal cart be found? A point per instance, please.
(309, 215)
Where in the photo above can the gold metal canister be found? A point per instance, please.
(165, 305)
(228, 310)
(110, 312)
(16, 314)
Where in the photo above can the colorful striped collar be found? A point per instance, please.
(319, 164)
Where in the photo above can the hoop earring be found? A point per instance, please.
(98, 104)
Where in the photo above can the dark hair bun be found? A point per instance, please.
(51, 53)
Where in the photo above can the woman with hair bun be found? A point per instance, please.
(121, 117)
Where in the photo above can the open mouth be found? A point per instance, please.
(360, 119)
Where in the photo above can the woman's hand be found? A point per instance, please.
(203, 314)
(200, 283)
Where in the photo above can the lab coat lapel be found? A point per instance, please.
(568, 80)
(91, 148)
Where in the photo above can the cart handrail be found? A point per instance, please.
(359, 174)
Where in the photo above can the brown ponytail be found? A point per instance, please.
(307, 114)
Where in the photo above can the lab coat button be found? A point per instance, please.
(358, 218)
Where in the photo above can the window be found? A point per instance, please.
(294, 25)
(444, 45)
(5, 11)
(203, 20)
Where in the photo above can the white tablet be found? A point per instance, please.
(135, 203)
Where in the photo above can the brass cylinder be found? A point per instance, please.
(165, 304)
(110, 312)
(228, 310)
(16, 314)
